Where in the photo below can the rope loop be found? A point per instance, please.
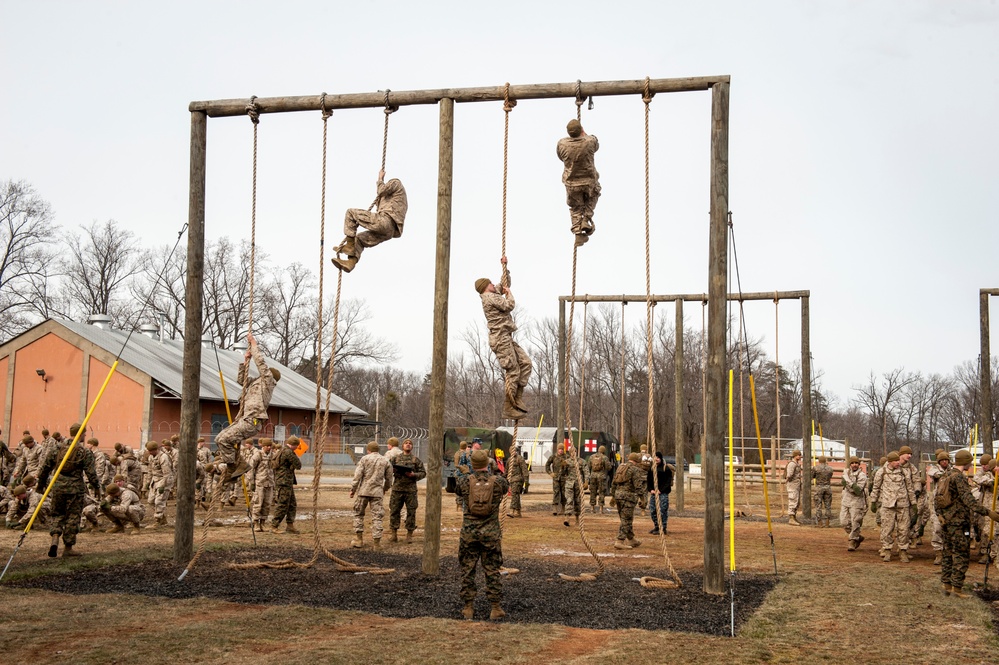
(508, 103)
(389, 108)
(647, 94)
(580, 99)
(322, 107)
(252, 111)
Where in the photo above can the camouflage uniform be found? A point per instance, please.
(160, 481)
(29, 460)
(823, 473)
(557, 467)
(511, 357)
(516, 473)
(913, 472)
(102, 464)
(19, 512)
(627, 494)
(125, 508)
(956, 520)
(404, 492)
(5, 499)
(599, 466)
(853, 504)
(582, 185)
(481, 539)
(7, 462)
(129, 467)
(383, 224)
(68, 490)
(372, 478)
(573, 491)
(793, 475)
(204, 459)
(981, 489)
(896, 498)
(934, 473)
(261, 479)
(252, 410)
(285, 464)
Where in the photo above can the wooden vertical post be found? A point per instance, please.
(712, 464)
(438, 370)
(806, 413)
(985, 375)
(680, 444)
(190, 399)
(559, 424)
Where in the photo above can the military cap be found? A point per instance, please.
(28, 439)
(893, 456)
(942, 455)
(373, 446)
(19, 490)
(480, 459)
(266, 442)
(602, 449)
(481, 284)
(822, 459)
(854, 460)
(881, 462)
(93, 442)
(74, 428)
(112, 489)
(57, 436)
(120, 447)
(938, 451)
(175, 438)
(984, 459)
(962, 457)
(209, 468)
(276, 373)
(120, 477)
(574, 128)
(905, 450)
(634, 457)
(29, 480)
(152, 445)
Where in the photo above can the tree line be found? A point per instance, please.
(102, 268)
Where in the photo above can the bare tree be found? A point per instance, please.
(101, 261)
(882, 401)
(163, 283)
(227, 290)
(289, 314)
(27, 259)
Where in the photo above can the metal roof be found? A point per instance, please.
(163, 360)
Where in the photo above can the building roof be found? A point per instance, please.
(163, 360)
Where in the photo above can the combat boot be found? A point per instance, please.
(853, 546)
(938, 559)
(984, 560)
(946, 589)
(409, 536)
(358, 540)
(346, 265)
(620, 544)
(68, 551)
(260, 526)
(394, 536)
(903, 556)
(958, 592)
(377, 543)
(468, 611)
(274, 528)
(792, 521)
(348, 246)
(631, 542)
(885, 556)
(518, 513)
(54, 547)
(117, 528)
(496, 613)
(290, 528)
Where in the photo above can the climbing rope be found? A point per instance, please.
(321, 414)
(653, 582)
(389, 110)
(783, 494)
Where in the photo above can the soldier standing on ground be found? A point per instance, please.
(285, 464)
(934, 473)
(481, 537)
(68, 491)
(263, 483)
(372, 478)
(792, 479)
(497, 305)
(101, 462)
(823, 473)
(894, 498)
(407, 470)
(462, 467)
(516, 473)
(575, 478)
(384, 224)
(599, 466)
(955, 508)
(30, 456)
(580, 177)
(557, 466)
(853, 503)
(160, 481)
(629, 487)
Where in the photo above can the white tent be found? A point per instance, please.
(827, 447)
(538, 453)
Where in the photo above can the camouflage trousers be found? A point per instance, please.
(263, 500)
(598, 488)
(285, 505)
(851, 518)
(626, 513)
(793, 498)
(823, 502)
(894, 525)
(558, 495)
(67, 508)
(516, 489)
(90, 513)
(158, 492)
(582, 199)
(936, 532)
(361, 504)
(515, 363)
(956, 553)
(229, 439)
(573, 496)
(121, 516)
(923, 518)
(399, 499)
(379, 228)
(490, 553)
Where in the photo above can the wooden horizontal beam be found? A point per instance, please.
(235, 107)
(691, 297)
(990, 292)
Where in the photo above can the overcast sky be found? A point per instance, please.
(863, 149)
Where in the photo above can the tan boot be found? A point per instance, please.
(886, 556)
(290, 528)
(409, 536)
(377, 543)
(348, 246)
(468, 611)
(68, 551)
(938, 559)
(394, 536)
(518, 513)
(260, 526)
(496, 613)
(346, 265)
(275, 529)
(621, 545)
(946, 589)
(793, 521)
(117, 528)
(852, 547)
(904, 557)
(358, 540)
(959, 592)
(633, 543)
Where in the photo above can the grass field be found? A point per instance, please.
(829, 605)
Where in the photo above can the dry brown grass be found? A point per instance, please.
(830, 606)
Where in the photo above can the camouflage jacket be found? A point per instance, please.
(482, 529)
(576, 154)
(599, 463)
(161, 468)
(103, 467)
(29, 460)
(259, 392)
(392, 201)
(822, 474)
(285, 466)
(263, 472)
(963, 503)
(129, 467)
(982, 482)
(516, 469)
(633, 489)
(78, 463)
(372, 477)
(854, 488)
(893, 488)
(497, 309)
(557, 466)
(792, 472)
(403, 463)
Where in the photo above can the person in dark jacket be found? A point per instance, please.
(660, 482)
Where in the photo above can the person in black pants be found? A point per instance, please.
(659, 499)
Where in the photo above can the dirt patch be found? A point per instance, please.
(535, 595)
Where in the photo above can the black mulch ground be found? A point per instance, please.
(535, 595)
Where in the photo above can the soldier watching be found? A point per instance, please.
(407, 471)
(822, 474)
(629, 488)
(285, 506)
(955, 506)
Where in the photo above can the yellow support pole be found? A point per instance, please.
(759, 446)
(822, 441)
(731, 473)
(534, 446)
